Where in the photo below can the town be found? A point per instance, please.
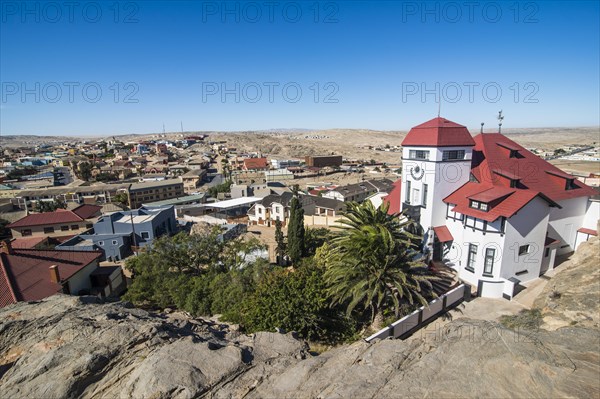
(73, 213)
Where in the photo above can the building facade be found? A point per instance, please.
(490, 209)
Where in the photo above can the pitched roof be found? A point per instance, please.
(438, 132)
(25, 275)
(59, 216)
(491, 161)
(443, 234)
(394, 198)
(256, 163)
(87, 211)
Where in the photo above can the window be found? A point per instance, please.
(513, 183)
(547, 252)
(488, 265)
(74, 227)
(145, 235)
(479, 205)
(424, 200)
(418, 154)
(453, 154)
(523, 249)
(26, 232)
(114, 242)
(471, 257)
(64, 228)
(513, 153)
(101, 243)
(407, 195)
(48, 230)
(89, 226)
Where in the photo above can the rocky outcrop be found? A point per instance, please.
(572, 297)
(63, 347)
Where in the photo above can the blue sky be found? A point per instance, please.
(97, 69)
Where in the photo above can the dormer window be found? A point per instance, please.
(570, 184)
(482, 206)
(514, 154)
(418, 154)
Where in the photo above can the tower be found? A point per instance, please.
(436, 161)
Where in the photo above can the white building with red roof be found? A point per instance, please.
(496, 213)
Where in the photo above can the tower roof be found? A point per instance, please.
(438, 132)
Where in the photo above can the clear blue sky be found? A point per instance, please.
(373, 58)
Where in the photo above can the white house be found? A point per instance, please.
(496, 213)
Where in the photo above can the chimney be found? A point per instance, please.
(7, 247)
(54, 274)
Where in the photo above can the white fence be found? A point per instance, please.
(413, 321)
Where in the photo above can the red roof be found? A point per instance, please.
(491, 159)
(443, 234)
(27, 242)
(394, 198)
(60, 216)
(25, 274)
(256, 163)
(506, 207)
(438, 132)
(494, 169)
(87, 211)
(588, 231)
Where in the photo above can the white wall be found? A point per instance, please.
(81, 280)
(442, 179)
(527, 227)
(565, 221)
(592, 214)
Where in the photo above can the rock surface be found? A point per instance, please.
(572, 297)
(69, 347)
(64, 348)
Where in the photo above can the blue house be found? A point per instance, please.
(117, 233)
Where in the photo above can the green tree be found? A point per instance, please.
(280, 241)
(4, 231)
(85, 170)
(370, 264)
(122, 199)
(294, 301)
(295, 229)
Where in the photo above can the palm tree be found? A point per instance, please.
(370, 263)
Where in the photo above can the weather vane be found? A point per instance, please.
(500, 119)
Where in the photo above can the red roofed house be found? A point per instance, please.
(255, 164)
(33, 274)
(489, 208)
(59, 223)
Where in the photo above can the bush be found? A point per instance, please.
(528, 319)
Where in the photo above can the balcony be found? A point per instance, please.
(412, 211)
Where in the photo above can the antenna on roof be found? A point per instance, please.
(481, 131)
(439, 107)
(500, 119)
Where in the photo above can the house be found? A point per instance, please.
(193, 179)
(275, 207)
(33, 274)
(61, 222)
(324, 212)
(359, 192)
(254, 164)
(140, 193)
(117, 234)
(252, 190)
(489, 208)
